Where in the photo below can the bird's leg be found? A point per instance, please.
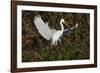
(59, 40)
(55, 42)
(51, 44)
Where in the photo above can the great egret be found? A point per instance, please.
(48, 33)
(57, 34)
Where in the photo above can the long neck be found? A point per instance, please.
(62, 27)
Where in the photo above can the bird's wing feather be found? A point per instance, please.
(42, 27)
(66, 30)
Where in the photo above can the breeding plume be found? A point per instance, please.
(48, 33)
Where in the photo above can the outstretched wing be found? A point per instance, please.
(42, 27)
(68, 31)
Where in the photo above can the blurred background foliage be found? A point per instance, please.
(72, 47)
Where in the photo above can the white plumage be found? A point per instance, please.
(57, 34)
(48, 33)
(43, 28)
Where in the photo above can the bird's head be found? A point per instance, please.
(63, 21)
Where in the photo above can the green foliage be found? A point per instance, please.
(72, 47)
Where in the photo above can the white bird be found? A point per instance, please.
(57, 34)
(48, 33)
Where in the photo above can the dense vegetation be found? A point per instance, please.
(72, 47)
